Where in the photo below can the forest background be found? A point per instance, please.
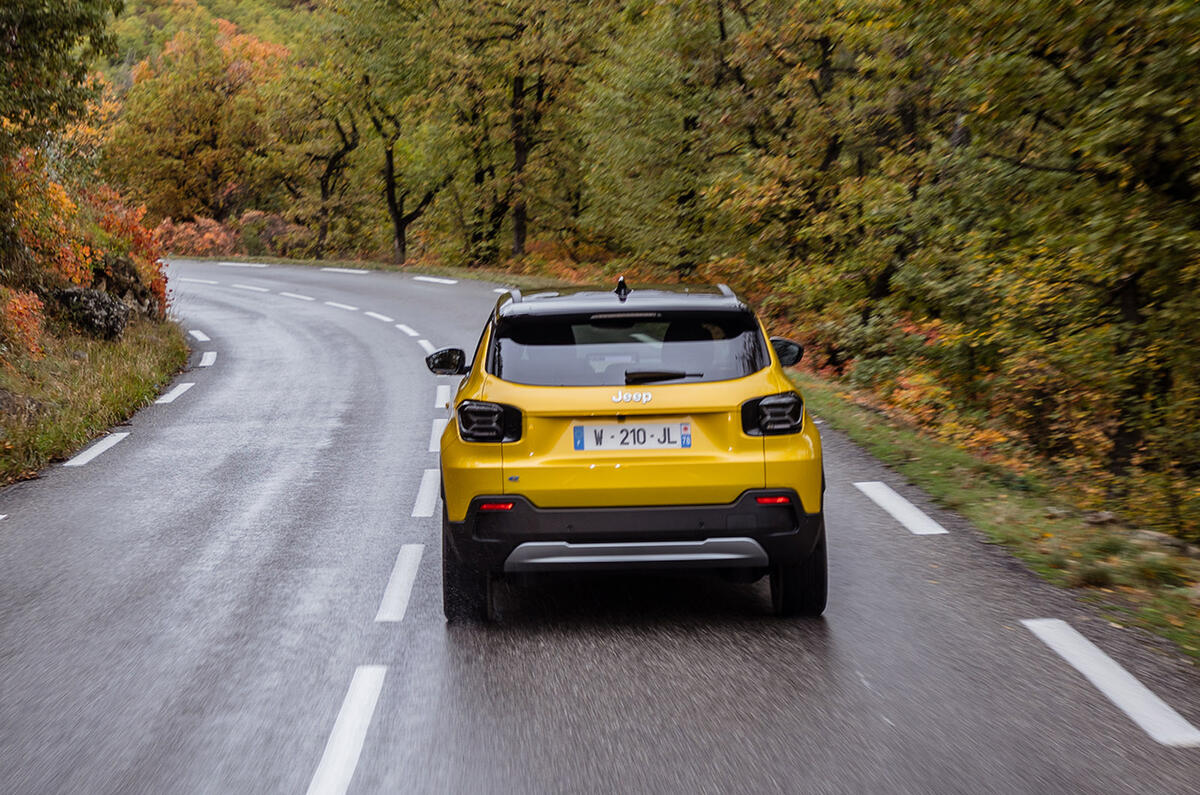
(983, 214)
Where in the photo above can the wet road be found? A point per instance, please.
(242, 595)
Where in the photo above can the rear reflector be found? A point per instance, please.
(496, 506)
(772, 500)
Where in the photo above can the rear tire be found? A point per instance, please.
(466, 593)
(800, 589)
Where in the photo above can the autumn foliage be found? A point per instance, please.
(71, 235)
(21, 321)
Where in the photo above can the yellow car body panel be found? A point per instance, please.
(544, 467)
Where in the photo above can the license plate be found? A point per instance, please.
(634, 436)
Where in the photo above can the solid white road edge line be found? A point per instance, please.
(208, 358)
(1133, 698)
(345, 270)
(336, 305)
(434, 280)
(901, 509)
(243, 264)
(252, 288)
(95, 450)
(378, 316)
(407, 330)
(200, 336)
(176, 392)
(298, 297)
(435, 437)
(427, 345)
(442, 399)
(345, 742)
(427, 494)
(197, 281)
(400, 585)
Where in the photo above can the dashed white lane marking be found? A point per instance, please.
(345, 742)
(197, 281)
(378, 316)
(1133, 698)
(243, 264)
(427, 494)
(336, 305)
(442, 399)
(95, 450)
(345, 270)
(252, 288)
(407, 330)
(208, 359)
(435, 436)
(200, 336)
(176, 392)
(399, 587)
(427, 345)
(434, 280)
(500, 290)
(298, 296)
(901, 509)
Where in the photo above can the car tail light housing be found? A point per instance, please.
(773, 415)
(479, 421)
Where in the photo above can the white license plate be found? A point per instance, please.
(634, 436)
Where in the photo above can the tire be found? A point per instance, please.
(466, 593)
(800, 589)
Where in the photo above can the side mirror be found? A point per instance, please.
(447, 361)
(789, 352)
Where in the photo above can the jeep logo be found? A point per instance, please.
(632, 397)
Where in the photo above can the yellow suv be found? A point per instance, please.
(626, 429)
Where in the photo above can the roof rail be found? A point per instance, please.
(516, 294)
(725, 291)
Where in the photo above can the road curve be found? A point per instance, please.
(242, 595)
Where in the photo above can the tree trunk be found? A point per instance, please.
(1128, 435)
(395, 205)
(520, 138)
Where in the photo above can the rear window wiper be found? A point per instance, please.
(646, 376)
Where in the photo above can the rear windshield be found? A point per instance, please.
(614, 349)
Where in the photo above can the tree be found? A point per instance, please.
(193, 127)
(46, 48)
(381, 70)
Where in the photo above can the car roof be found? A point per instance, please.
(629, 299)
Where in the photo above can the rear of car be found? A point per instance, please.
(650, 430)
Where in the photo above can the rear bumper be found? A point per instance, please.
(741, 534)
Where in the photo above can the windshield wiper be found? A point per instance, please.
(646, 376)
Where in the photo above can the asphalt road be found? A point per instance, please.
(197, 609)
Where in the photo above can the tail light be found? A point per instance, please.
(773, 415)
(488, 422)
(496, 506)
(780, 500)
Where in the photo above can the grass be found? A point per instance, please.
(54, 405)
(1133, 577)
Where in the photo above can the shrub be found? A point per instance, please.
(21, 321)
(202, 237)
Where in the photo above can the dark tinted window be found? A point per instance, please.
(615, 349)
